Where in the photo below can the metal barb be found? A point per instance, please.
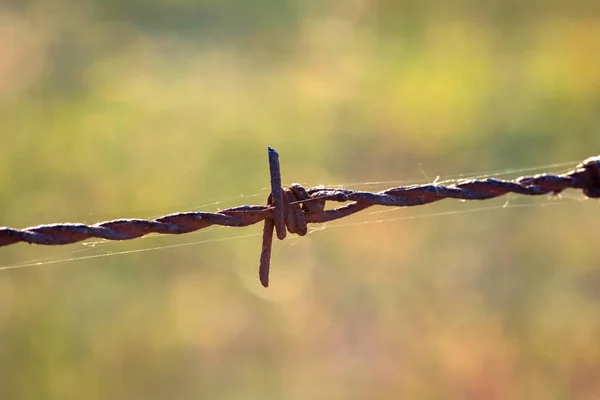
(293, 208)
(275, 200)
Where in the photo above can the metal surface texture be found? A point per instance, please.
(291, 209)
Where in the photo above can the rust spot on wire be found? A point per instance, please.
(291, 209)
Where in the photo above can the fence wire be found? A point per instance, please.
(292, 209)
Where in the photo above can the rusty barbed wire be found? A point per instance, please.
(291, 209)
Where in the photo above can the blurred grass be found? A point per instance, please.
(122, 109)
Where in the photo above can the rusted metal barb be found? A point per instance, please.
(291, 209)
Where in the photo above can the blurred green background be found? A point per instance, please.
(115, 109)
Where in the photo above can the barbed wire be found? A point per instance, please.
(292, 209)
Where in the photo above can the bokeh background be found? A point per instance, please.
(115, 109)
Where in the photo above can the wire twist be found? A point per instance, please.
(292, 209)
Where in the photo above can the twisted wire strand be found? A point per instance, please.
(292, 209)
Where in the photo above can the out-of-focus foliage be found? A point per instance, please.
(139, 108)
